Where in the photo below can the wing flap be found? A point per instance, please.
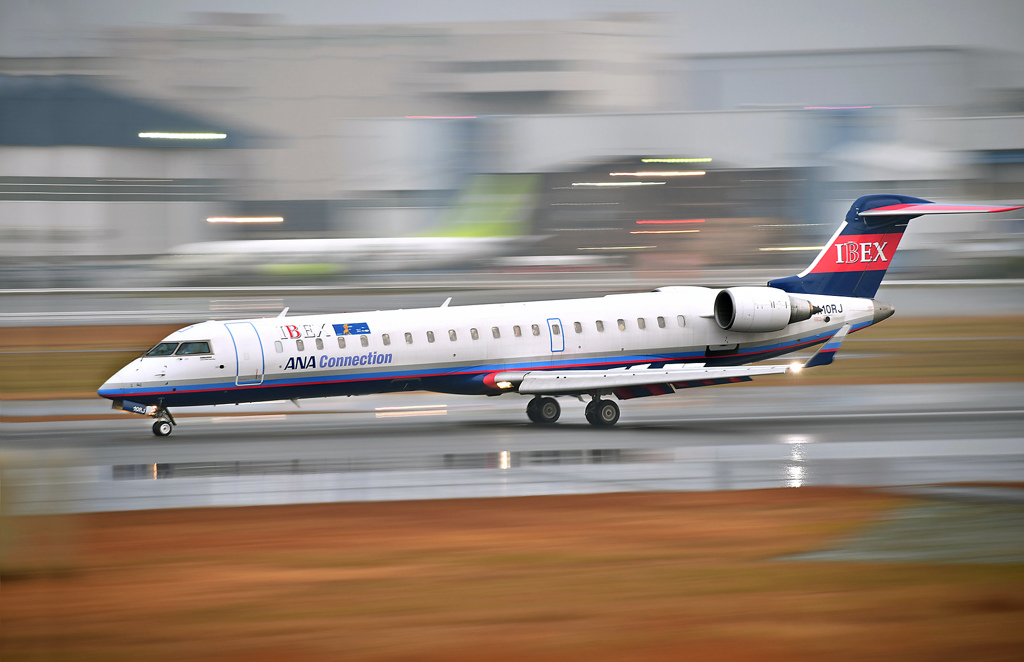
(640, 378)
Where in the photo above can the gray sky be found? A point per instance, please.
(70, 27)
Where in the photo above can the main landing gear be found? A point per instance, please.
(164, 424)
(602, 413)
(599, 413)
(543, 410)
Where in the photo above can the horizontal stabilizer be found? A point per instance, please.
(567, 382)
(933, 208)
(827, 352)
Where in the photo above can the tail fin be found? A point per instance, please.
(854, 261)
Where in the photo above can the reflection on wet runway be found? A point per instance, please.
(513, 473)
(753, 438)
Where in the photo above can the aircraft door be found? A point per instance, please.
(249, 360)
(557, 334)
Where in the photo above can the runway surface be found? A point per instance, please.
(414, 446)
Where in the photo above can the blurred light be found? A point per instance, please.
(183, 136)
(661, 231)
(699, 160)
(440, 117)
(795, 368)
(617, 183)
(835, 107)
(658, 173)
(504, 460)
(793, 248)
(245, 219)
(673, 221)
(503, 384)
(790, 225)
(411, 410)
(614, 248)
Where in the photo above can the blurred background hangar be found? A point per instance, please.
(679, 139)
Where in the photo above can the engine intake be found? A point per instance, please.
(759, 309)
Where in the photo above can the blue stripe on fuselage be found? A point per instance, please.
(462, 380)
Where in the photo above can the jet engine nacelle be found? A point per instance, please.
(759, 309)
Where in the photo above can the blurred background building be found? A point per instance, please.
(616, 140)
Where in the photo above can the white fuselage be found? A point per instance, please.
(455, 349)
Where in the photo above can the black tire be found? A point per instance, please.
(547, 411)
(591, 414)
(162, 428)
(531, 410)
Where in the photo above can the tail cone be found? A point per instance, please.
(883, 311)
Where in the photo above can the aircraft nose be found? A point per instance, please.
(112, 388)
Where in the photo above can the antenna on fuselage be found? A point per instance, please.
(446, 302)
(284, 312)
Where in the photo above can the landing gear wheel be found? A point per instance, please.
(602, 413)
(162, 428)
(531, 410)
(543, 410)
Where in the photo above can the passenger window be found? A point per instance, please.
(408, 338)
(278, 347)
(163, 349)
(661, 322)
(495, 332)
(430, 336)
(641, 323)
(600, 326)
(299, 345)
(386, 338)
(319, 343)
(364, 341)
(680, 320)
(186, 348)
(555, 330)
(622, 325)
(578, 327)
(535, 329)
(474, 334)
(516, 331)
(341, 342)
(452, 336)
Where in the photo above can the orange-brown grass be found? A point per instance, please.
(606, 577)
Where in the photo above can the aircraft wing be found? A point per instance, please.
(634, 382)
(643, 380)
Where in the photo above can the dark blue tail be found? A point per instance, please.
(854, 261)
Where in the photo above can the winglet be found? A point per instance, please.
(827, 352)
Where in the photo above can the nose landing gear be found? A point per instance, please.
(164, 424)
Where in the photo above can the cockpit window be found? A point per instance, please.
(195, 347)
(163, 349)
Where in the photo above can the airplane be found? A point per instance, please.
(489, 219)
(623, 345)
